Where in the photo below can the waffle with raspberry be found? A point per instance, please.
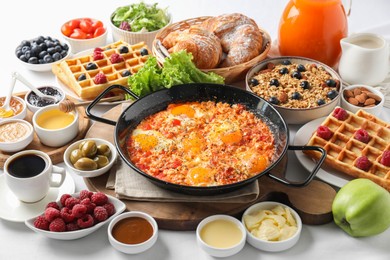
(356, 144)
(91, 74)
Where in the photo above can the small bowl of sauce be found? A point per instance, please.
(18, 109)
(15, 135)
(34, 102)
(54, 127)
(133, 232)
(221, 235)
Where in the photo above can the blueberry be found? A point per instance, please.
(40, 39)
(332, 94)
(123, 49)
(126, 73)
(283, 71)
(27, 54)
(144, 52)
(47, 58)
(331, 83)
(25, 43)
(23, 58)
(274, 82)
(42, 54)
(320, 102)
(25, 48)
(274, 100)
(49, 44)
(64, 53)
(91, 66)
(296, 95)
(301, 68)
(254, 81)
(57, 56)
(296, 74)
(51, 50)
(305, 84)
(82, 77)
(19, 53)
(35, 50)
(33, 60)
(286, 62)
(58, 48)
(43, 46)
(41, 61)
(65, 46)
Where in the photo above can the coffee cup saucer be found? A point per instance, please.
(14, 210)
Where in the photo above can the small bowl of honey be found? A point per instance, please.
(54, 127)
(133, 232)
(17, 108)
(221, 235)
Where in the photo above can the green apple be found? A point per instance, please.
(362, 208)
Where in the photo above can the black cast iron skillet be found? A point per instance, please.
(159, 100)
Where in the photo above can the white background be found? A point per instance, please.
(21, 20)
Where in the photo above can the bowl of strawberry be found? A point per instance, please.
(84, 33)
(76, 215)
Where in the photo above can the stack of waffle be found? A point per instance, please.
(344, 149)
(79, 75)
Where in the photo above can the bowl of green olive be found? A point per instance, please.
(90, 157)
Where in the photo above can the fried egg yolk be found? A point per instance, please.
(193, 144)
(254, 162)
(200, 175)
(183, 110)
(150, 140)
(227, 133)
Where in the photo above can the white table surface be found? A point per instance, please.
(21, 20)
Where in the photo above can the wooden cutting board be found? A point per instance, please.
(312, 202)
(56, 153)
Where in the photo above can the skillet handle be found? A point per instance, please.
(312, 174)
(98, 98)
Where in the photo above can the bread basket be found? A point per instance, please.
(231, 74)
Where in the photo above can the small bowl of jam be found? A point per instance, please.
(133, 232)
(17, 109)
(34, 103)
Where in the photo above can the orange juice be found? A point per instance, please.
(313, 29)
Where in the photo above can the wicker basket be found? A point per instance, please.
(231, 74)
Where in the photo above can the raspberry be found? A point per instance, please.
(63, 199)
(363, 163)
(362, 136)
(53, 204)
(57, 225)
(70, 202)
(100, 78)
(66, 215)
(90, 206)
(51, 213)
(98, 56)
(79, 210)
(85, 221)
(98, 50)
(99, 198)
(116, 58)
(110, 208)
(324, 132)
(100, 213)
(385, 160)
(41, 223)
(340, 114)
(85, 194)
(72, 226)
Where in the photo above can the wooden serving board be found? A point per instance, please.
(55, 153)
(312, 202)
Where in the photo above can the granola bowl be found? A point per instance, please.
(301, 89)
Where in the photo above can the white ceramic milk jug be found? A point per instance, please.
(364, 59)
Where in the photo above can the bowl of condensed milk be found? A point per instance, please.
(15, 135)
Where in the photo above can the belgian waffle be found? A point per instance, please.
(343, 149)
(69, 71)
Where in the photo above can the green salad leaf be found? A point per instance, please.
(177, 69)
(139, 16)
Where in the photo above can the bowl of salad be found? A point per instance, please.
(138, 22)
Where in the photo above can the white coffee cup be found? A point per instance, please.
(30, 174)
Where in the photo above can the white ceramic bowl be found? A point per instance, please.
(298, 115)
(23, 111)
(133, 248)
(56, 137)
(272, 246)
(70, 235)
(135, 37)
(93, 173)
(34, 108)
(22, 142)
(216, 251)
(79, 45)
(376, 110)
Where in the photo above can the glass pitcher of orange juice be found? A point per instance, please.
(313, 29)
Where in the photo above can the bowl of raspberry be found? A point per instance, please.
(76, 215)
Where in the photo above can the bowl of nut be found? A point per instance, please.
(301, 89)
(355, 97)
(90, 157)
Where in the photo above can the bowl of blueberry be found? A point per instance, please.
(39, 54)
(301, 89)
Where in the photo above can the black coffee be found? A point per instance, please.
(26, 166)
